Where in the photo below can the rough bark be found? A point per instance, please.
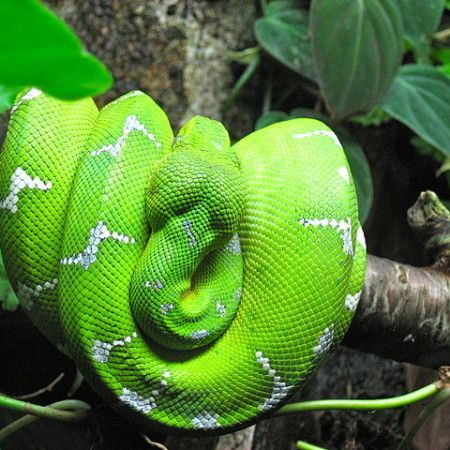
(404, 311)
(404, 314)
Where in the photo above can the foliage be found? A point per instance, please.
(283, 33)
(421, 20)
(420, 98)
(356, 46)
(348, 56)
(40, 50)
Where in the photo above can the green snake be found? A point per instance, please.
(195, 284)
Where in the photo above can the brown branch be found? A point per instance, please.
(47, 388)
(404, 312)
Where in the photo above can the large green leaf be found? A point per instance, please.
(38, 49)
(420, 98)
(285, 35)
(357, 47)
(355, 154)
(421, 19)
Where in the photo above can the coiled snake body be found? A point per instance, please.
(196, 285)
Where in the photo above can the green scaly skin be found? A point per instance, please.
(195, 285)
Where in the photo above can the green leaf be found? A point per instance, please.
(421, 19)
(356, 47)
(420, 98)
(442, 55)
(280, 6)
(8, 298)
(375, 116)
(7, 97)
(360, 171)
(311, 114)
(445, 70)
(355, 154)
(425, 149)
(269, 118)
(285, 36)
(40, 50)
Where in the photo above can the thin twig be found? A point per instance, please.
(77, 382)
(442, 35)
(47, 388)
(153, 443)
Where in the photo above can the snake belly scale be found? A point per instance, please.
(195, 284)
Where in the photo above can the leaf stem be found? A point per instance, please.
(393, 402)
(302, 445)
(65, 410)
(440, 398)
(240, 83)
(47, 411)
(263, 4)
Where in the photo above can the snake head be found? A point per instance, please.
(199, 180)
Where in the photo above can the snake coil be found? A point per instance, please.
(195, 284)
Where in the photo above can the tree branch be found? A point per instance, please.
(404, 312)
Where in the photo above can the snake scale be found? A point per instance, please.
(195, 284)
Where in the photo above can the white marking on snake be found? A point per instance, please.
(29, 95)
(343, 172)
(325, 341)
(351, 301)
(238, 294)
(19, 181)
(155, 285)
(97, 235)
(280, 389)
(234, 245)
(360, 238)
(327, 133)
(165, 308)
(137, 401)
(131, 124)
(141, 403)
(220, 309)
(101, 349)
(206, 421)
(27, 294)
(199, 334)
(124, 97)
(344, 228)
(187, 226)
